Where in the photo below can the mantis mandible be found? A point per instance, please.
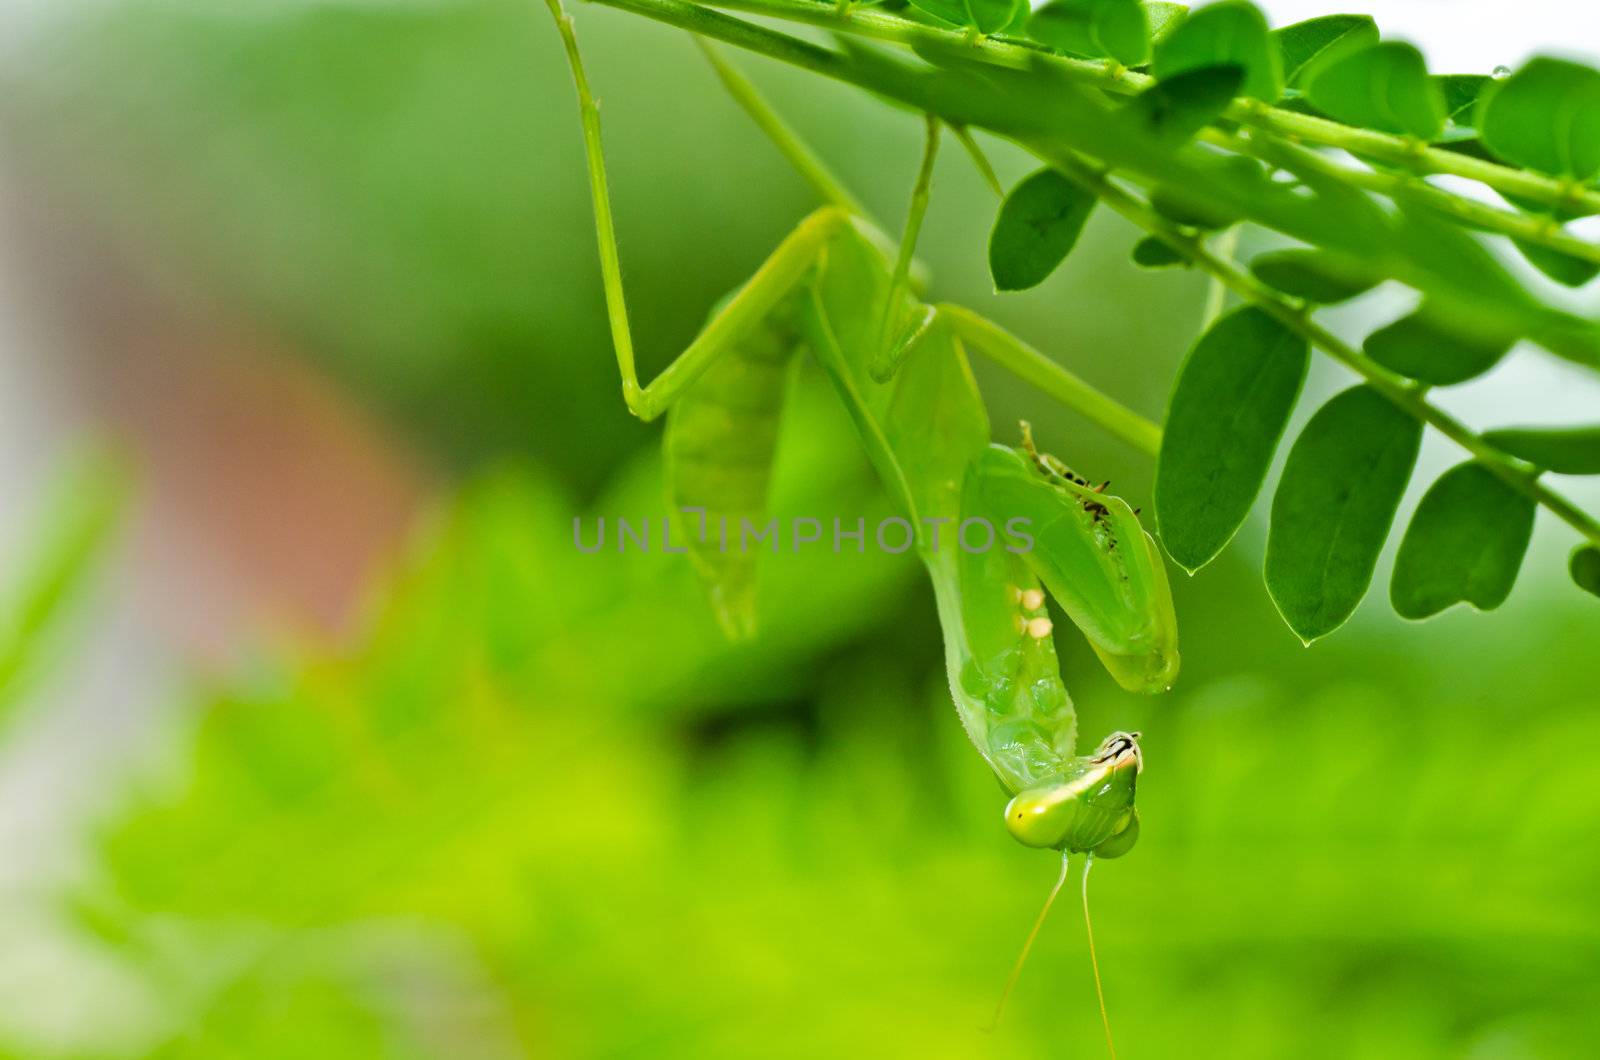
(841, 289)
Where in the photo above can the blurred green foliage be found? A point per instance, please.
(541, 808)
(544, 809)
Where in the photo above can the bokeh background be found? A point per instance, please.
(318, 738)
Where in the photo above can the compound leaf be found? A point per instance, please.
(1334, 506)
(1038, 225)
(1465, 544)
(1227, 413)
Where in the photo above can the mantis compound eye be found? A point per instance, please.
(1088, 806)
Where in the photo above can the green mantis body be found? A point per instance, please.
(836, 288)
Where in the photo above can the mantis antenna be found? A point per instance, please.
(1027, 945)
(1094, 961)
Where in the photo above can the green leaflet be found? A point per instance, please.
(1163, 18)
(1304, 46)
(1585, 568)
(1313, 275)
(1114, 29)
(1334, 506)
(1546, 116)
(1564, 450)
(1174, 110)
(1465, 544)
(1460, 93)
(1384, 87)
(1229, 33)
(1559, 266)
(1562, 268)
(1425, 346)
(1228, 410)
(1038, 225)
(986, 16)
(1153, 253)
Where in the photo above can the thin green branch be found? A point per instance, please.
(1406, 395)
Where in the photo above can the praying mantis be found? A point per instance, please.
(841, 290)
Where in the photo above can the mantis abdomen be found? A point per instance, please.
(719, 445)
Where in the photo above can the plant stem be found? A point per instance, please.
(1403, 393)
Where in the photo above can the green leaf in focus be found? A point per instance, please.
(1229, 33)
(1585, 568)
(1038, 225)
(1424, 346)
(1306, 45)
(1334, 506)
(1174, 110)
(1465, 544)
(1098, 29)
(1564, 450)
(1546, 116)
(1163, 18)
(1313, 275)
(1153, 253)
(1228, 410)
(1385, 87)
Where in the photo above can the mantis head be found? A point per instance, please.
(1086, 807)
